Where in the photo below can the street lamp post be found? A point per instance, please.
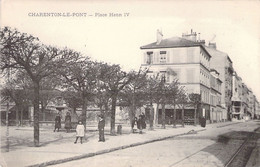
(7, 110)
(7, 126)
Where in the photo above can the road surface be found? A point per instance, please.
(213, 147)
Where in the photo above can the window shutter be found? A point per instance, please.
(145, 58)
(168, 57)
(157, 57)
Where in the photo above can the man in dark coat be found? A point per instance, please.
(57, 123)
(101, 127)
(203, 122)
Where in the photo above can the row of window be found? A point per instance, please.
(215, 100)
(187, 76)
(163, 57)
(215, 84)
(205, 77)
(204, 96)
(204, 59)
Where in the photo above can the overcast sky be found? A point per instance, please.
(235, 25)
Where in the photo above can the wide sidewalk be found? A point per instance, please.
(64, 149)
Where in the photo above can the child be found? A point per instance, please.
(80, 132)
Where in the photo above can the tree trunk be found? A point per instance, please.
(195, 116)
(36, 113)
(106, 108)
(17, 116)
(22, 117)
(132, 112)
(182, 115)
(102, 110)
(113, 115)
(174, 115)
(151, 116)
(84, 110)
(74, 110)
(163, 116)
(157, 113)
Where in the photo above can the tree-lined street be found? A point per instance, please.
(91, 84)
(213, 147)
(81, 81)
(197, 146)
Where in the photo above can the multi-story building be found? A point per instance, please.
(237, 112)
(245, 100)
(189, 60)
(251, 104)
(221, 62)
(254, 107)
(216, 109)
(257, 109)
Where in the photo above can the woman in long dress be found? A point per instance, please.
(68, 122)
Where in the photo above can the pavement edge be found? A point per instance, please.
(54, 162)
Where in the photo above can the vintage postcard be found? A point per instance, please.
(130, 83)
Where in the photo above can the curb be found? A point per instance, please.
(220, 126)
(54, 162)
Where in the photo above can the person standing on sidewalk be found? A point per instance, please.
(57, 123)
(140, 124)
(143, 121)
(80, 132)
(101, 128)
(203, 122)
(134, 121)
(68, 122)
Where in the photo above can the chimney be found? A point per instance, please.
(192, 36)
(159, 37)
(212, 45)
(200, 41)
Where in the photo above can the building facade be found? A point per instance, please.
(221, 62)
(216, 110)
(189, 60)
(245, 101)
(251, 104)
(237, 110)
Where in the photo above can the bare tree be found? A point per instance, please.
(24, 52)
(73, 100)
(114, 80)
(172, 95)
(20, 97)
(195, 100)
(182, 102)
(133, 94)
(79, 74)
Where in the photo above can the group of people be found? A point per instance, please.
(140, 122)
(80, 129)
(58, 122)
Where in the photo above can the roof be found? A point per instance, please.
(171, 42)
(217, 52)
(174, 42)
